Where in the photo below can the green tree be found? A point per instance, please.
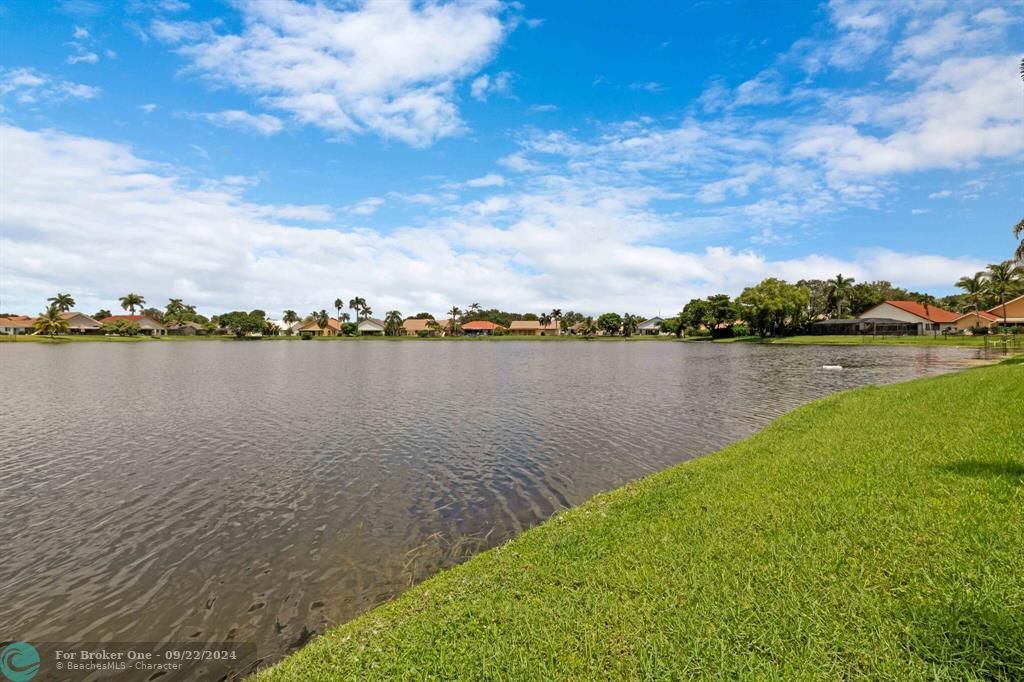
(720, 310)
(556, 315)
(455, 315)
(130, 302)
(290, 317)
(338, 305)
(773, 307)
(610, 323)
(240, 323)
(393, 323)
(101, 314)
(588, 327)
(630, 323)
(356, 304)
(544, 320)
(51, 322)
(323, 320)
(1018, 231)
(1001, 280)
(694, 314)
(64, 302)
(974, 287)
(838, 292)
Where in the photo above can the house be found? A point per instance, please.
(371, 326)
(480, 328)
(1014, 311)
(17, 324)
(973, 319)
(651, 327)
(553, 328)
(525, 328)
(284, 327)
(414, 326)
(865, 325)
(80, 324)
(923, 317)
(333, 328)
(147, 325)
(184, 328)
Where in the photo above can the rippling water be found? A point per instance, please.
(263, 491)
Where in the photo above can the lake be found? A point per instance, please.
(262, 491)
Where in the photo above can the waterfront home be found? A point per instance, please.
(333, 328)
(417, 327)
(480, 328)
(974, 319)
(184, 329)
(864, 325)
(525, 328)
(147, 325)
(80, 324)
(17, 324)
(371, 326)
(1014, 311)
(924, 318)
(651, 327)
(284, 327)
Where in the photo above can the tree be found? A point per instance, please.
(1001, 278)
(393, 323)
(174, 310)
(544, 320)
(694, 314)
(589, 327)
(610, 323)
(838, 292)
(773, 307)
(975, 289)
(1018, 230)
(241, 323)
(720, 310)
(630, 323)
(556, 315)
(322, 320)
(130, 302)
(434, 326)
(101, 314)
(473, 312)
(357, 304)
(454, 314)
(338, 305)
(290, 317)
(63, 302)
(51, 322)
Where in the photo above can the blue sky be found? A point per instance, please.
(520, 155)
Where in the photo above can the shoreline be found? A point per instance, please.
(815, 547)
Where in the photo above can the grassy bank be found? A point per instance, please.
(876, 533)
(926, 340)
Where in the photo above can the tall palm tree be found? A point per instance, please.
(1018, 230)
(132, 301)
(64, 302)
(544, 320)
(556, 315)
(356, 304)
(454, 315)
(290, 317)
(365, 311)
(345, 317)
(51, 322)
(393, 323)
(1001, 278)
(322, 320)
(974, 287)
(338, 305)
(838, 289)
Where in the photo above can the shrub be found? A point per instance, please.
(423, 333)
(306, 336)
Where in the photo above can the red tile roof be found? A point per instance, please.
(20, 321)
(928, 312)
(480, 325)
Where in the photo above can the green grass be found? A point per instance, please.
(927, 340)
(877, 533)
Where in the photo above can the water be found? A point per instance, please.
(262, 491)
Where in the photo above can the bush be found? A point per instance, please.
(306, 336)
(423, 333)
(741, 330)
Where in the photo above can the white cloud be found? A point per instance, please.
(367, 206)
(542, 108)
(28, 86)
(388, 66)
(147, 108)
(83, 58)
(486, 85)
(647, 86)
(490, 180)
(264, 124)
(80, 33)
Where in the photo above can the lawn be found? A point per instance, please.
(926, 340)
(877, 533)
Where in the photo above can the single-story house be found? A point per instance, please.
(184, 328)
(371, 326)
(927, 318)
(283, 327)
(17, 324)
(80, 324)
(974, 319)
(1014, 311)
(865, 325)
(147, 325)
(525, 328)
(333, 328)
(413, 326)
(651, 327)
(480, 328)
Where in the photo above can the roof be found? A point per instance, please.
(192, 324)
(926, 312)
(998, 309)
(311, 325)
(652, 322)
(19, 321)
(524, 324)
(984, 315)
(481, 325)
(372, 320)
(414, 325)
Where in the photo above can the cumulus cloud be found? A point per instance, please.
(384, 66)
(485, 85)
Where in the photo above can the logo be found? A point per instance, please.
(19, 661)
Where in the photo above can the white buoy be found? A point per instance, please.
(831, 366)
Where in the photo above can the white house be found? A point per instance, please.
(928, 318)
(371, 326)
(651, 327)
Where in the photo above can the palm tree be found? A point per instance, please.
(556, 315)
(64, 302)
(51, 322)
(1001, 278)
(589, 327)
(338, 305)
(454, 315)
(393, 323)
(974, 287)
(838, 290)
(1018, 230)
(356, 304)
(629, 324)
(365, 311)
(290, 317)
(544, 320)
(132, 301)
(322, 320)
(345, 317)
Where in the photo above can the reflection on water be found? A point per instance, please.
(262, 491)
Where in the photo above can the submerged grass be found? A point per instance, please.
(877, 533)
